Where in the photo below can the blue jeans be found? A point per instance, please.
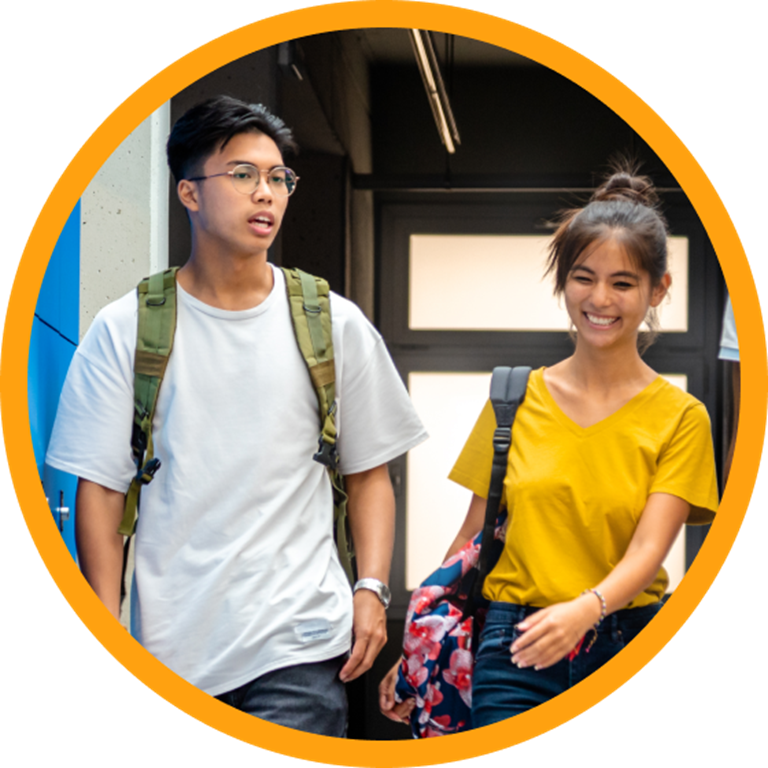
(306, 697)
(500, 690)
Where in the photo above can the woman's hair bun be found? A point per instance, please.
(625, 183)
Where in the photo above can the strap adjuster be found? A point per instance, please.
(138, 441)
(147, 473)
(502, 438)
(326, 454)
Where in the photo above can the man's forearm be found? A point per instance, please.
(372, 524)
(372, 521)
(99, 545)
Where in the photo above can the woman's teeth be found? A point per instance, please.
(600, 320)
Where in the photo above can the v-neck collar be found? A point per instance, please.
(631, 405)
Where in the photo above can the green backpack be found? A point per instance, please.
(311, 315)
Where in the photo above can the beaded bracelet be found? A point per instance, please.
(603, 610)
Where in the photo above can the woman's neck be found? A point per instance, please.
(609, 369)
(591, 386)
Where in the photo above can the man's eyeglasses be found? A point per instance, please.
(246, 177)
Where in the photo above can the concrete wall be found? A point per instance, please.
(124, 228)
(124, 218)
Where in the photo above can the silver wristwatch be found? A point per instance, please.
(379, 587)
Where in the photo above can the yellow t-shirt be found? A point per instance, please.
(575, 495)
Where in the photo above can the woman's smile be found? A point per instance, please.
(600, 320)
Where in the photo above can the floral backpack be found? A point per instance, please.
(446, 613)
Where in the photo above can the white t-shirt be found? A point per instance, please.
(236, 572)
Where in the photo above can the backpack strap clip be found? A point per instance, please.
(147, 473)
(326, 454)
(502, 439)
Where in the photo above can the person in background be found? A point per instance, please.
(729, 351)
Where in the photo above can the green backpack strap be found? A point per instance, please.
(309, 301)
(154, 341)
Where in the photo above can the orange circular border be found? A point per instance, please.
(383, 13)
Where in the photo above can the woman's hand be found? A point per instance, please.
(553, 632)
(400, 713)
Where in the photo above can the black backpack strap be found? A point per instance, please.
(508, 386)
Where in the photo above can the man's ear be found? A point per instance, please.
(187, 192)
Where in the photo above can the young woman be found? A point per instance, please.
(608, 461)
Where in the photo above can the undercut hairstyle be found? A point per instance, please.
(210, 125)
(624, 208)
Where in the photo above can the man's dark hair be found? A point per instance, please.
(211, 124)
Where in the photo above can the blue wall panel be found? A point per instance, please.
(55, 332)
(59, 301)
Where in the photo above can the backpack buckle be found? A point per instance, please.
(502, 438)
(147, 473)
(326, 454)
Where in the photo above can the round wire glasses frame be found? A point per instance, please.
(246, 178)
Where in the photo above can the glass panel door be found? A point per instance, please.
(496, 283)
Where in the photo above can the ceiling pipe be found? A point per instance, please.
(429, 67)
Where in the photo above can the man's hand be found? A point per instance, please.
(370, 634)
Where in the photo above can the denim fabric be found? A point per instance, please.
(306, 697)
(500, 690)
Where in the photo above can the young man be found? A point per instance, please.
(238, 586)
